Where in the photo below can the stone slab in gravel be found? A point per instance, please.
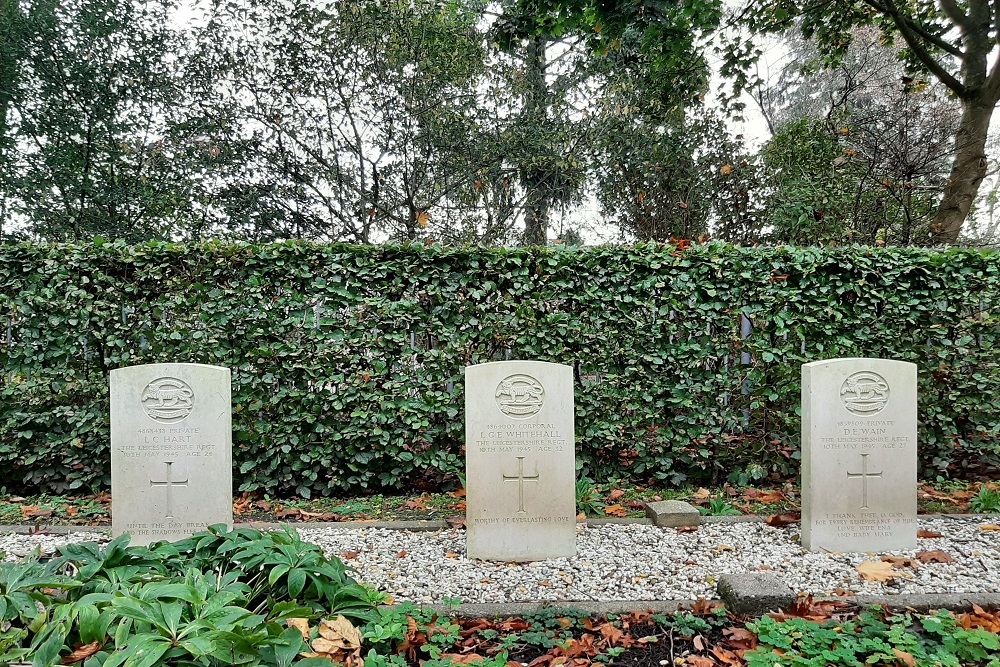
(629, 562)
(755, 594)
(672, 513)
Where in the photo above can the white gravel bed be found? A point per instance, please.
(638, 562)
(629, 562)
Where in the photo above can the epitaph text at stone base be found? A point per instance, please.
(859, 455)
(171, 450)
(520, 461)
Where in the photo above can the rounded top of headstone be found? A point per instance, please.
(160, 367)
(519, 361)
(865, 360)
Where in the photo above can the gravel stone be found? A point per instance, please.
(627, 562)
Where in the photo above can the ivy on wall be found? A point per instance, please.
(347, 361)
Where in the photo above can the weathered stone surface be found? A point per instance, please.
(520, 461)
(754, 593)
(171, 450)
(859, 455)
(673, 513)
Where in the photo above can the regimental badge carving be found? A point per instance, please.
(864, 393)
(167, 400)
(520, 396)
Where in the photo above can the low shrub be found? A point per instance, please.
(347, 361)
(222, 597)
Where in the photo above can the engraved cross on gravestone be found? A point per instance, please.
(169, 483)
(520, 479)
(864, 475)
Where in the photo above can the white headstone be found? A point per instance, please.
(520, 461)
(171, 450)
(859, 455)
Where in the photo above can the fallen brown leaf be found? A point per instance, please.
(613, 635)
(698, 661)
(782, 520)
(300, 624)
(740, 638)
(34, 512)
(923, 533)
(727, 657)
(907, 659)
(459, 659)
(418, 504)
(934, 557)
(616, 510)
(873, 570)
(810, 609)
(615, 495)
(763, 497)
(348, 555)
(989, 528)
(898, 561)
(81, 653)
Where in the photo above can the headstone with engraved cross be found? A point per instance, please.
(519, 460)
(859, 455)
(171, 450)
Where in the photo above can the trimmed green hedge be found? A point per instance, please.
(347, 360)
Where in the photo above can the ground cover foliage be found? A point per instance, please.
(592, 501)
(241, 597)
(347, 360)
(222, 597)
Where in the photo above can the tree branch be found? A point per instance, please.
(938, 41)
(912, 39)
(955, 13)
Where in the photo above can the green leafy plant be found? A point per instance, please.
(588, 498)
(986, 501)
(221, 597)
(873, 638)
(719, 507)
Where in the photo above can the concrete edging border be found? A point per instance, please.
(919, 602)
(429, 524)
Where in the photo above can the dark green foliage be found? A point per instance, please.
(222, 597)
(347, 360)
(875, 637)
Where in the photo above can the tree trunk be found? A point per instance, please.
(536, 219)
(968, 169)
